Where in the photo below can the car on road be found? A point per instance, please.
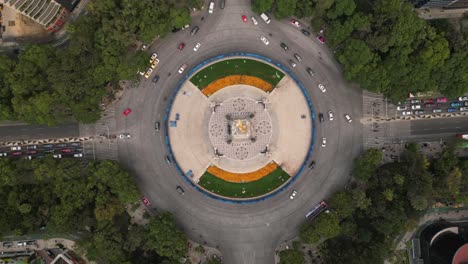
(154, 64)
(125, 136)
(401, 108)
(437, 110)
(127, 111)
(298, 58)
(182, 68)
(67, 150)
(312, 165)
(322, 88)
(31, 152)
(348, 118)
(305, 32)
(429, 105)
(455, 104)
(57, 156)
(254, 21)
(17, 153)
(153, 57)
(310, 71)
(330, 115)
(321, 119)
(148, 73)
(145, 201)
(168, 160)
(293, 194)
(405, 113)
(194, 31)
(181, 46)
(415, 101)
(265, 40)
(284, 46)
(155, 79)
(31, 147)
(295, 23)
(211, 7)
(451, 110)
(414, 107)
(441, 100)
(156, 126)
(78, 155)
(15, 148)
(292, 63)
(319, 208)
(197, 46)
(463, 98)
(419, 112)
(244, 18)
(324, 142)
(180, 190)
(321, 39)
(463, 109)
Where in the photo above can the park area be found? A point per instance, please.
(244, 190)
(241, 66)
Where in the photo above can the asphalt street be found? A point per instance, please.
(10, 131)
(440, 126)
(246, 234)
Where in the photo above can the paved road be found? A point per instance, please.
(10, 131)
(244, 233)
(440, 126)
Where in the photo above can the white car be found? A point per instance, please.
(182, 68)
(463, 109)
(324, 142)
(292, 63)
(293, 194)
(78, 155)
(405, 113)
(197, 46)
(401, 108)
(57, 156)
(254, 21)
(330, 115)
(211, 8)
(265, 40)
(413, 107)
(123, 136)
(153, 57)
(348, 118)
(28, 157)
(4, 154)
(148, 73)
(463, 98)
(15, 148)
(322, 88)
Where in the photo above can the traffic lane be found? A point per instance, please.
(21, 131)
(439, 126)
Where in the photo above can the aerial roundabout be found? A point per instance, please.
(240, 128)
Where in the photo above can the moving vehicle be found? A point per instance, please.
(322, 88)
(305, 32)
(180, 190)
(211, 8)
(254, 21)
(319, 208)
(293, 194)
(181, 46)
(321, 119)
(182, 68)
(265, 40)
(324, 142)
(348, 118)
(156, 126)
(298, 58)
(145, 201)
(284, 46)
(312, 165)
(197, 46)
(222, 4)
(168, 160)
(295, 23)
(265, 18)
(310, 71)
(330, 115)
(155, 79)
(127, 112)
(321, 39)
(194, 31)
(244, 18)
(292, 63)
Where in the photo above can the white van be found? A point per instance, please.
(265, 18)
(211, 8)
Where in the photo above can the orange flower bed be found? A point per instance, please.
(236, 79)
(242, 177)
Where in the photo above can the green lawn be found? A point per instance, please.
(237, 66)
(252, 189)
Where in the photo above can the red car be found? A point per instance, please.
(295, 23)
(31, 152)
(429, 101)
(145, 201)
(244, 18)
(127, 112)
(441, 100)
(17, 153)
(181, 46)
(67, 150)
(321, 39)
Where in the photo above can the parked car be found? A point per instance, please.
(413, 107)
(211, 7)
(153, 57)
(298, 58)
(463, 98)
(181, 46)
(155, 79)
(125, 136)
(17, 153)
(348, 118)
(154, 64)
(463, 109)
(75, 144)
(405, 113)
(148, 73)
(415, 101)
(322, 88)
(49, 151)
(197, 46)
(28, 157)
(305, 32)
(78, 155)
(284, 46)
(330, 115)
(455, 104)
(127, 111)
(401, 108)
(321, 119)
(324, 142)
(441, 100)
(62, 145)
(31, 147)
(182, 68)
(244, 18)
(295, 23)
(437, 110)
(145, 201)
(194, 31)
(254, 21)
(67, 150)
(31, 152)
(419, 112)
(293, 194)
(451, 110)
(180, 190)
(57, 156)
(15, 148)
(264, 40)
(321, 39)
(429, 105)
(3, 154)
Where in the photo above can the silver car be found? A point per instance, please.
(330, 115)
(324, 142)
(298, 58)
(322, 88)
(265, 40)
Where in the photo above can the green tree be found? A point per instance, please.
(342, 203)
(285, 8)
(360, 199)
(365, 166)
(260, 6)
(291, 256)
(342, 7)
(165, 238)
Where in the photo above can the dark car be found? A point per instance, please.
(319, 208)
(31, 152)
(155, 78)
(180, 190)
(17, 153)
(75, 144)
(284, 46)
(181, 46)
(156, 126)
(321, 119)
(312, 165)
(194, 31)
(31, 147)
(62, 145)
(49, 151)
(429, 105)
(168, 160)
(310, 71)
(78, 150)
(305, 32)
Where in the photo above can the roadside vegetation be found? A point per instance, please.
(384, 202)
(47, 85)
(66, 196)
(384, 46)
